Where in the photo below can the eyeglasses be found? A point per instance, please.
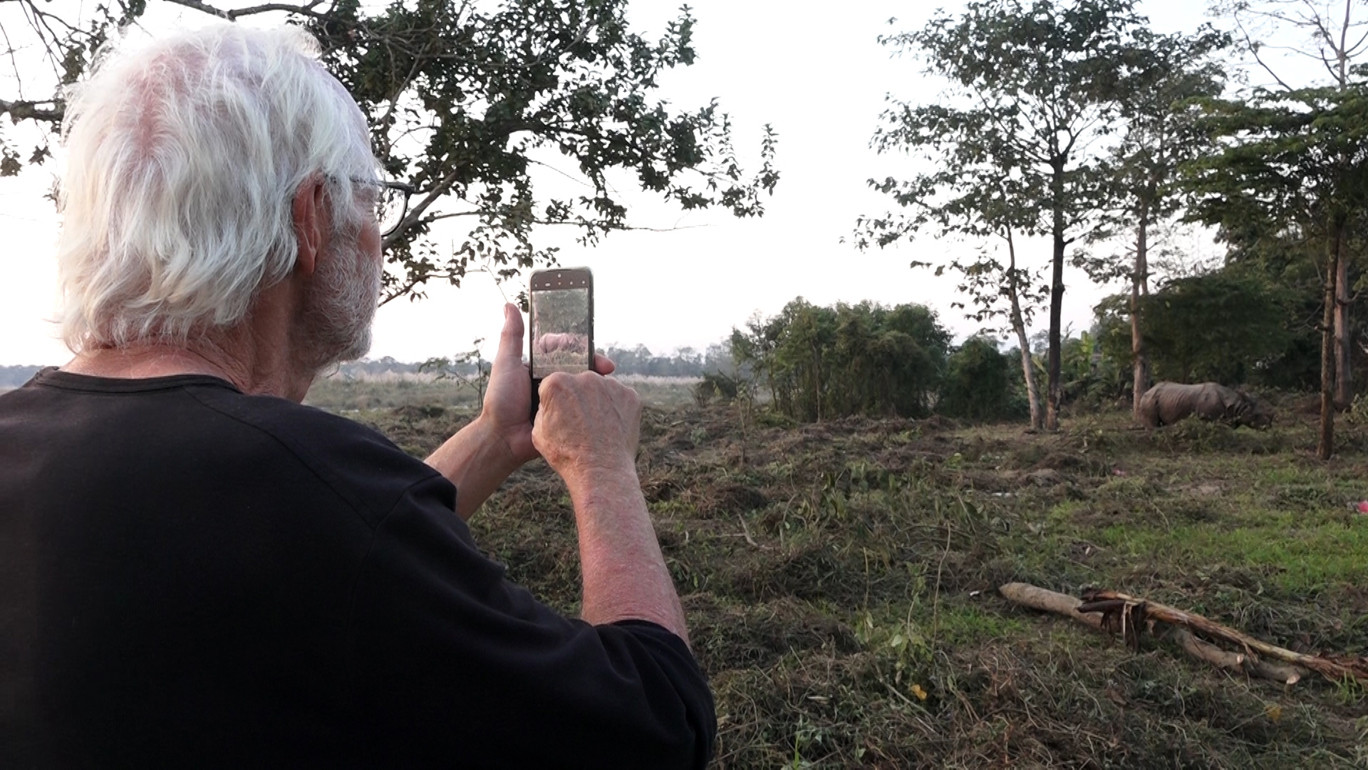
(391, 203)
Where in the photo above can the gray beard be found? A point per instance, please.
(340, 305)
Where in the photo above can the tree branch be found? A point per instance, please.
(1245, 661)
(1129, 611)
(237, 13)
(24, 110)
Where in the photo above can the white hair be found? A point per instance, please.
(184, 155)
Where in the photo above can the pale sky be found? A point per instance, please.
(815, 73)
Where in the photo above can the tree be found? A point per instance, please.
(1039, 86)
(1333, 35)
(1293, 167)
(805, 337)
(977, 384)
(980, 202)
(467, 101)
(1292, 268)
(1330, 33)
(752, 350)
(1090, 377)
(1164, 72)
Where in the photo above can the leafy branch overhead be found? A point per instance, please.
(508, 119)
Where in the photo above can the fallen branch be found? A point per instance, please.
(1118, 613)
(1249, 664)
(1120, 610)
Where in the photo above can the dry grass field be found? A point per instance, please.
(841, 582)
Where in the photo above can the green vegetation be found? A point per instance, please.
(1042, 131)
(824, 362)
(1226, 326)
(978, 383)
(1078, 121)
(841, 582)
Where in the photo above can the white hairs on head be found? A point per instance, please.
(183, 157)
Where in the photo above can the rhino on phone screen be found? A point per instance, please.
(561, 342)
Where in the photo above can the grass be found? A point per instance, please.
(841, 583)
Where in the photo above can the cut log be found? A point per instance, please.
(1050, 601)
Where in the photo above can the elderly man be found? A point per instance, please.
(199, 571)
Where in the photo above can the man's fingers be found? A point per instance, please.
(511, 338)
(603, 364)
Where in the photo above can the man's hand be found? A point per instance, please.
(482, 454)
(587, 429)
(587, 424)
(507, 399)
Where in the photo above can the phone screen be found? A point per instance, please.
(562, 310)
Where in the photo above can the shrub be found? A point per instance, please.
(978, 383)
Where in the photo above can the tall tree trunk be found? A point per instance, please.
(1018, 322)
(1052, 363)
(1139, 287)
(1344, 373)
(816, 380)
(1325, 447)
(1028, 371)
(1052, 360)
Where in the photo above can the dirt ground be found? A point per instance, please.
(841, 582)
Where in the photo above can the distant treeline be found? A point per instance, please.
(684, 362)
(14, 376)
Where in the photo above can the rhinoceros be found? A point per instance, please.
(1169, 402)
(556, 342)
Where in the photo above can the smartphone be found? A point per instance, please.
(561, 306)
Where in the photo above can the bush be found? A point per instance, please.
(716, 386)
(1222, 326)
(866, 359)
(978, 383)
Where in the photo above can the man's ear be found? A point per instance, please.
(310, 214)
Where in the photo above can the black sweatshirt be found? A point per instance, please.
(194, 577)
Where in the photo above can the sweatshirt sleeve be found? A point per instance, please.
(457, 665)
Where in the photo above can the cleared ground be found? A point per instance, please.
(841, 581)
